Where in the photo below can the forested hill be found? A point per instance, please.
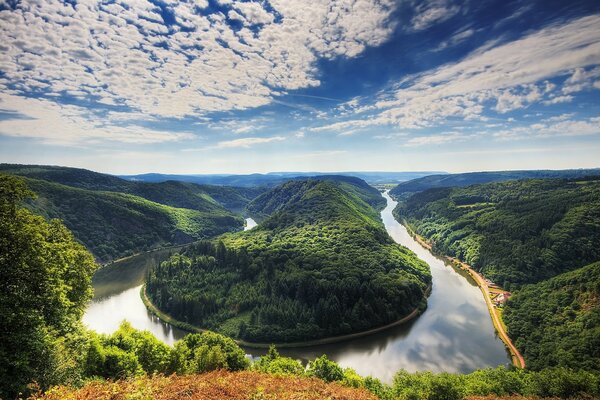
(557, 322)
(320, 265)
(290, 192)
(172, 193)
(405, 189)
(113, 225)
(514, 232)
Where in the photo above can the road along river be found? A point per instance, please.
(454, 334)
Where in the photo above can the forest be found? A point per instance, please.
(557, 322)
(320, 265)
(514, 232)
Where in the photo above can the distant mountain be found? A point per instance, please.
(275, 178)
(405, 189)
(169, 192)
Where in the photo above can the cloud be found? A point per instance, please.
(438, 139)
(126, 54)
(247, 142)
(502, 77)
(433, 12)
(557, 126)
(73, 125)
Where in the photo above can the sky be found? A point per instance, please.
(227, 86)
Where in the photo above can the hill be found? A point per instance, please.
(113, 225)
(168, 192)
(405, 189)
(287, 193)
(557, 322)
(514, 232)
(320, 265)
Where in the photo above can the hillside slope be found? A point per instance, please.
(112, 225)
(320, 265)
(405, 189)
(204, 198)
(288, 193)
(514, 232)
(557, 322)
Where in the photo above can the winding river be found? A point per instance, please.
(454, 334)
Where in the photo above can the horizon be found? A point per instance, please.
(237, 87)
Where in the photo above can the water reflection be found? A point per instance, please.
(454, 334)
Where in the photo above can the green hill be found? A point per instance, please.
(557, 322)
(320, 265)
(405, 189)
(172, 193)
(112, 225)
(514, 232)
(288, 193)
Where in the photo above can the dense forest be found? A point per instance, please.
(557, 322)
(405, 189)
(320, 265)
(514, 232)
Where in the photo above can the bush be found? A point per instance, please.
(325, 369)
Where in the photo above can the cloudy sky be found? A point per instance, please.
(211, 86)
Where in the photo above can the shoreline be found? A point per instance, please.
(516, 357)
(165, 317)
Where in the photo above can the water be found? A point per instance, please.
(250, 223)
(454, 334)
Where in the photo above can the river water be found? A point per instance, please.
(454, 334)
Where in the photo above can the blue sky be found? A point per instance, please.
(225, 86)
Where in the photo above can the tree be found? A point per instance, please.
(45, 282)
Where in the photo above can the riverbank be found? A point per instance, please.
(516, 357)
(165, 317)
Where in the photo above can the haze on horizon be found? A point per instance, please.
(227, 86)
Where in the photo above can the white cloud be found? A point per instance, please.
(247, 142)
(126, 54)
(507, 77)
(438, 139)
(557, 126)
(432, 12)
(73, 125)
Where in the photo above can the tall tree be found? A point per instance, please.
(45, 282)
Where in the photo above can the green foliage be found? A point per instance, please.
(556, 382)
(273, 363)
(514, 232)
(112, 224)
(557, 322)
(44, 285)
(325, 369)
(201, 352)
(321, 265)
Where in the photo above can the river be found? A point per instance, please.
(454, 334)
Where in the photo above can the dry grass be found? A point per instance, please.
(215, 385)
